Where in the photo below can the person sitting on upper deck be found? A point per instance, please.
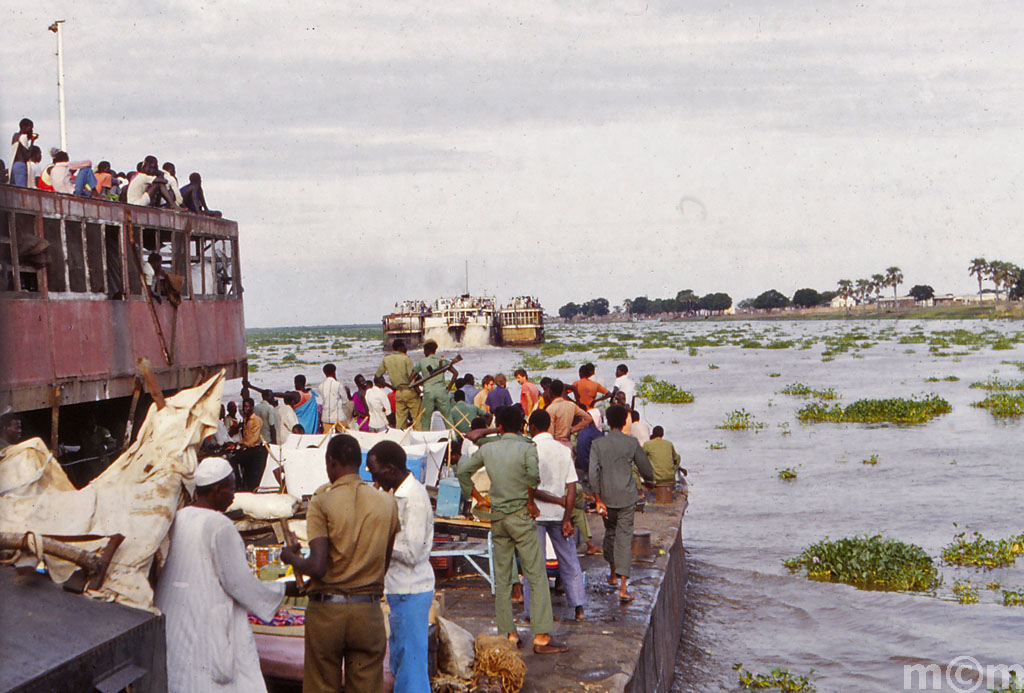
(104, 179)
(82, 184)
(172, 181)
(193, 197)
(149, 187)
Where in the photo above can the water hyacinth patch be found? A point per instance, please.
(972, 549)
(740, 420)
(653, 390)
(948, 379)
(1013, 597)
(895, 410)
(1002, 405)
(965, 592)
(777, 679)
(873, 460)
(717, 445)
(801, 390)
(787, 474)
(868, 563)
(997, 384)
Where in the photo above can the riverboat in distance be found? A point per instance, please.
(466, 320)
(76, 317)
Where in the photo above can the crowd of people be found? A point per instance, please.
(149, 185)
(563, 447)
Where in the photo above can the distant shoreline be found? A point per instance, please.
(1003, 311)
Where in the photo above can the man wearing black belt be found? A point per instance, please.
(352, 529)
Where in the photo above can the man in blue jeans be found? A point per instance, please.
(409, 582)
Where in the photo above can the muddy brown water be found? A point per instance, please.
(743, 606)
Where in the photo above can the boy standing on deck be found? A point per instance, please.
(611, 478)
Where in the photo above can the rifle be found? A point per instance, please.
(417, 382)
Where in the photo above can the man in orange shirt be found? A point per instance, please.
(586, 389)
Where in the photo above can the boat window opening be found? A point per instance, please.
(25, 228)
(7, 271)
(94, 257)
(76, 255)
(200, 253)
(223, 266)
(134, 280)
(179, 258)
(115, 276)
(56, 269)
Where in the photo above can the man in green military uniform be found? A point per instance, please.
(399, 368)
(435, 391)
(664, 458)
(511, 463)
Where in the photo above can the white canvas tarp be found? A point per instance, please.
(136, 496)
(302, 457)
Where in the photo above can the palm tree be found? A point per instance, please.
(864, 289)
(878, 283)
(894, 277)
(978, 268)
(845, 290)
(1004, 274)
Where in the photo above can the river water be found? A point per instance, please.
(743, 521)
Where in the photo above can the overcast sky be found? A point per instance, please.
(568, 150)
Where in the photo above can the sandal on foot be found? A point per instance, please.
(625, 598)
(552, 647)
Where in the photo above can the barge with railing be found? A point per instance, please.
(466, 320)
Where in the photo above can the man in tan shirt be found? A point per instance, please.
(566, 417)
(352, 529)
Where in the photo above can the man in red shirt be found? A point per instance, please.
(529, 393)
(586, 389)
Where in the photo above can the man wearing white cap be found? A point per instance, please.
(206, 590)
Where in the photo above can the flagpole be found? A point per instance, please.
(56, 28)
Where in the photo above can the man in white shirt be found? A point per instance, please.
(206, 591)
(638, 429)
(624, 384)
(555, 498)
(409, 582)
(332, 397)
(172, 182)
(286, 418)
(378, 404)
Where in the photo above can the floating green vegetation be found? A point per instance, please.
(972, 549)
(1018, 364)
(692, 351)
(997, 384)
(552, 348)
(868, 563)
(290, 358)
(338, 345)
(777, 678)
(562, 363)
(873, 460)
(717, 445)
(775, 375)
(616, 353)
(948, 379)
(895, 410)
(1013, 597)
(965, 592)
(740, 420)
(787, 474)
(533, 362)
(1002, 405)
(654, 390)
(712, 367)
(801, 390)
(1011, 684)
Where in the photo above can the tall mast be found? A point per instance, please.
(467, 277)
(56, 28)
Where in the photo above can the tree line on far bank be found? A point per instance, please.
(684, 302)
